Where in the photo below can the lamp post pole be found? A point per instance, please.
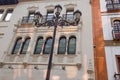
(58, 9)
(52, 49)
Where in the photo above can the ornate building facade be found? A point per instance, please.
(110, 14)
(25, 47)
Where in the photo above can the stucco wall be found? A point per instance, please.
(110, 51)
(84, 51)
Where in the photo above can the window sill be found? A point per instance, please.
(68, 55)
(4, 21)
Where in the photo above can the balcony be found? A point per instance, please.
(66, 19)
(27, 20)
(116, 34)
(117, 76)
(113, 6)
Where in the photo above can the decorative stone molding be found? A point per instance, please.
(25, 64)
(78, 52)
(69, 29)
(15, 29)
(32, 8)
(71, 5)
(89, 71)
(80, 25)
(48, 35)
(90, 79)
(1, 34)
(90, 67)
(62, 35)
(49, 7)
(78, 65)
(1, 64)
(111, 43)
(90, 1)
(112, 20)
(72, 34)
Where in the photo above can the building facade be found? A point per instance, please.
(25, 48)
(110, 13)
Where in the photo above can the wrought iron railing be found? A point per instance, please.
(117, 76)
(27, 19)
(116, 34)
(66, 19)
(113, 6)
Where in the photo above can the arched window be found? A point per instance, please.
(62, 45)
(116, 26)
(39, 44)
(25, 46)
(48, 46)
(72, 45)
(17, 46)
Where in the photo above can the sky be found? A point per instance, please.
(8, 2)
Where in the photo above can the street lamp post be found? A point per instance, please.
(56, 22)
(58, 9)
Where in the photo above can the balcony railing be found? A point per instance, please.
(27, 19)
(67, 19)
(117, 76)
(116, 34)
(113, 6)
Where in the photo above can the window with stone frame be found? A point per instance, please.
(48, 46)
(115, 22)
(72, 45)
(62, 45)
(8, 15)
(17, 45)
(49, 15)
(116, 25)
(25, 46)
(31, 16)
(118, 62)
(69, 14)
(39, 45)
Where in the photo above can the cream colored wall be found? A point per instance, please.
(76, 66)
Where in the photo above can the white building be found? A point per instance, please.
(22, 58)
(110, 12)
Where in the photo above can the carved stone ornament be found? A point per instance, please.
(49, 7)
(32, 8)
(71, 5)
(80, 25)
(113, 19)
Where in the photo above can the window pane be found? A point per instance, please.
(118, 62)
(50, 15)
(48, 46)
(39, 45)
(8, 15)
(1, 13)
(116, 25)
(25, 46)
(72, 46)
(62, 46)
(69, 14)
(31, 17)
(17, 46)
